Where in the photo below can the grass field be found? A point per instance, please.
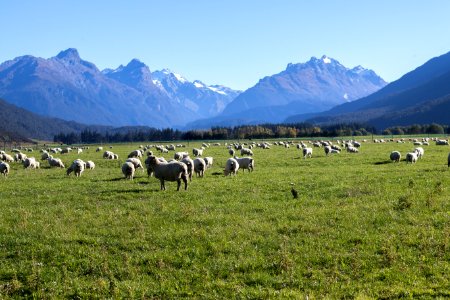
(362, 227)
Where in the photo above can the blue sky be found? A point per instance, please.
(232, 42)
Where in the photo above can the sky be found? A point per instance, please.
(231, 42)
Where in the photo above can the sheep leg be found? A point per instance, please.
(185, 182)
(178, 184)
(162, 185)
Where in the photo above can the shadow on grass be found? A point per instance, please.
(217, 173)
(383, 162)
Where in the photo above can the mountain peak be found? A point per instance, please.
(69, 54)
(326, 59)
(135, 64)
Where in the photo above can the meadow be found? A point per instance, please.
(362, 227)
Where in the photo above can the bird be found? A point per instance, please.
(293, 191)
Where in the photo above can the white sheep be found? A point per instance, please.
(395, 156)
(307, 152)
(441, 142)
(190, 165)
(179, 155)
(77, 167)
(136, 162)
(246, 151)
(149, 167)
(420, 152)
(411, 157)
(6, 157)
(79, 151)
(245, 163)
(55, 162)
(31, 163)
(174, 171)
(99, 149)
(128, 170)
(135, 153)
(197, 152)
(327, 150)
(108, 155)
(231, 167)
(4, 169)
(199, 166)
(90, 165)
(20, 157)
(209, 161)
(352, 149)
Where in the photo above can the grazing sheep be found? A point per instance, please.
(209, 162)
(420, 152)
(31, 163)
(66, 150)
(307, 152)
(199, 166)
(197, 152)
(136, 162)
(352, 149)
(108, 155)
(327, 150)
(246, 151)
(90, 165)
(128, 170)
(395, 156)
(180, 155)
(20, 157)
(231, 152)
(55, 162)
(231, 167)
(245, 163)
(135, 153)
(149, 167)
(6, 157)
(45, 155)
(99, 149)
(77, 167)
(190, 165)
(79, 151)
(4, 169)
(411, 157)
(174, 171)
(334, 151)
(441, 142)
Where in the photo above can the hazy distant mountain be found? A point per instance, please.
(205, 100)
(420, 96)
(314, 86)
(70, 88)
(17, 121)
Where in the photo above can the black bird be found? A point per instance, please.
(294, 192)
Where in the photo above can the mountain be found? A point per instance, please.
(19, 124)
(205, 100)
(314, 86)
(420, 96)
(67, 87)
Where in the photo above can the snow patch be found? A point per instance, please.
(198, 84)
(179, 78)
(326, 60)
(346, 96)
(216, 90)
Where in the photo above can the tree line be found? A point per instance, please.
(264, 131)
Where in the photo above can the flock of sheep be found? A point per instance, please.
(182, 166)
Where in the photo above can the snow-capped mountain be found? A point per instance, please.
(200, 98)
(314, 86)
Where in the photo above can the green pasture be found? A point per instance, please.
(362, 227)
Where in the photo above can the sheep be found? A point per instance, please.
(31, 163)
(411, 157)
(135, 153)
(4, 168)
(246, 151)
(128, 170)
(327, 150)
(231, 152)
(115, 156)
(199, 166)
(197, 152)
(108, 155)
(190, 165)
(148, 166)
(174, 171)
(45, 155)
(209, 162)
(77, 167)
(245, 163)
(231, 167)
(307, 152)
(20, 157)
(90, 165)
(79, 151)
(395, 156)
(420, 152)
(441, 142)
(180, 155)
(334, 151)
(352, 149)
(6, 157)
(66, 150)
(136, 162)
(55, 162)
